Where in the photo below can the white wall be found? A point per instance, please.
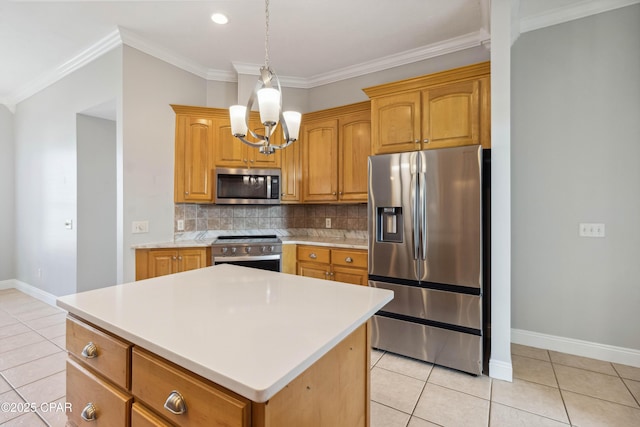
(96, 226)
(149, 87)
(45, 173)
(576, 147)
(7, 193)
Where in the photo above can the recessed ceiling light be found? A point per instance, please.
(219, 18)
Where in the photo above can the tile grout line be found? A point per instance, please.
(555, 375)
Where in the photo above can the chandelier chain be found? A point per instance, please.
(266, 33)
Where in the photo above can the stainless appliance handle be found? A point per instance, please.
(268, 195)
(415, 209)
(422, 182)
(246, 258)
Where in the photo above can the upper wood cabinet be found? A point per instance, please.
(320, 160)
(231, 152)
(194, 159)
(335, 146)
(446, 109)
(291, 174)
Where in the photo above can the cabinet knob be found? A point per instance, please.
(89, 413)
(425, 140)
(417, 141)
(340, 193)
(326, 273)
(173, 258)
(312, 255)
(334, 193)
(186, 193)
(175, 403)
(179, 258)
(90, 350)
(282, 194)
(348, 259)
(250, 161)
(244, 160)
(331, 274)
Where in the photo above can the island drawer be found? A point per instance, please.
(349, 258)
(314, 253)
(102, 352)
(142, 417)
(93, 400)
(184, 398)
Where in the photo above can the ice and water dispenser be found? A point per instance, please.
(389, 224)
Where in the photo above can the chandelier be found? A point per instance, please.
(268, 93)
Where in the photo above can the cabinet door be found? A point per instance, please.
(451, 115)
(320, 161)
(291, 174)
(315, 270)
(230, 151)
(162, 262)
(194, 160)
(396, 123)
(356, 276)
(257, 159)
(191, 259)
(355, 148)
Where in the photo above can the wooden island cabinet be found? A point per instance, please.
(167, 352)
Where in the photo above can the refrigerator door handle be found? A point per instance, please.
(415, 212)
(422, 184)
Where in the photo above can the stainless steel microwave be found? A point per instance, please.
(247, 186)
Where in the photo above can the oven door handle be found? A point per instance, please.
(246, 258)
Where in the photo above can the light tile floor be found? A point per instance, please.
(549, 388)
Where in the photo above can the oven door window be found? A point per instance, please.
(242, 187)
(262, 264)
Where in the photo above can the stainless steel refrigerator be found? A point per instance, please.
(426, 244)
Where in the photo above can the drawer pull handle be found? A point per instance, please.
(90, 350)
(312, 255)
(348, 259)
(89, 413)
(175, 403)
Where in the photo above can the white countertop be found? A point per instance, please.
(338, 242)
(251, 331)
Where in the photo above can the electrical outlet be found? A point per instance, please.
(591, 230)
(68, 224)
(140, 227)
(327, 222)
(180, 225)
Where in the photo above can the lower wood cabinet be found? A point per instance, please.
(159, 262)
(341, 265)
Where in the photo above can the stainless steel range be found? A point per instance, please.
(260, 251)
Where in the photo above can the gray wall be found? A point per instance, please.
(7, 210)
(97, 202)
(575, 152)
(149, 87)
(46, 176)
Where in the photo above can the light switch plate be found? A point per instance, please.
(140, 227)
(591, 230)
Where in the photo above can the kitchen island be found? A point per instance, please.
(222, 345)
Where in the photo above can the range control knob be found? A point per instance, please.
(271, 248)
(225, 250)
(233, 250)
(263, 249)
(247, 249)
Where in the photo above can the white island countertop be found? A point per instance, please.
(251, 331)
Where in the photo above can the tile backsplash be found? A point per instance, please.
(202, 218)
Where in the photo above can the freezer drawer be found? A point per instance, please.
(430, 304)
(443, 347)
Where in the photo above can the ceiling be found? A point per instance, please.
(312, 42)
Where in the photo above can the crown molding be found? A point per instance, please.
(102, 46)
(570, 13)
(455, 44)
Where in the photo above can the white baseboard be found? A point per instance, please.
(29, 290)
(609, 353)
(500, 370)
